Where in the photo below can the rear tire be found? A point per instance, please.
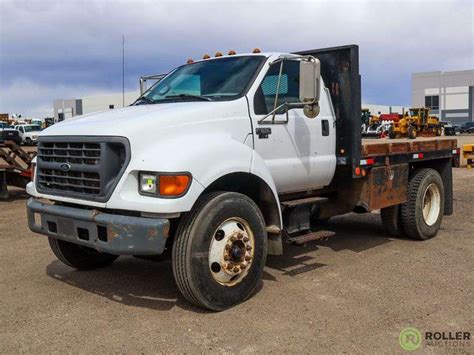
(80, 257)
(203, 259)
(391, 220)
(411, 132)
(391, 133)
(422, 213)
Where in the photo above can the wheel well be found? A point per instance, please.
(253, 187)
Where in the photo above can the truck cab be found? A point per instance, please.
(216, 164)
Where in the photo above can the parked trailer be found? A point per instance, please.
(240, 153)
(15, 167)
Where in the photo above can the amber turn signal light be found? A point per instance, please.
(173, 185)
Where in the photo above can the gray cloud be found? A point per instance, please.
(58, 49)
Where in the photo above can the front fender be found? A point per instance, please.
(206, 157)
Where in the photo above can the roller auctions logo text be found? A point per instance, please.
(411, 339)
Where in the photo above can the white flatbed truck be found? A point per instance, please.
(223, 160)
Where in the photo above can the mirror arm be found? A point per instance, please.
(273, 113)
(287, 106)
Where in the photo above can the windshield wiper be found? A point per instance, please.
(143, 99)
(204, 98)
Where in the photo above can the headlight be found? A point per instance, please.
(167, 185)
(147, 183)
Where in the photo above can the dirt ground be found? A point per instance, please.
(353, 293)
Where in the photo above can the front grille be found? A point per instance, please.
(76, 153)
(82, 167)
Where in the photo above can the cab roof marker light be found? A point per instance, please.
(206, 56)
(218, 54)
(257, 50)
(232, 52)
(189, 61)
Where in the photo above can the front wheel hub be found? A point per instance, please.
(231, 251)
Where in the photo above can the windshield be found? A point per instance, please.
(220, 79)
(32, 128)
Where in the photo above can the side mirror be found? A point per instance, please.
(310, 77)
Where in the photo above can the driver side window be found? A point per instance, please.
(288, 91)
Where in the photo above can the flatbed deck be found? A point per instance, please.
(387, 147)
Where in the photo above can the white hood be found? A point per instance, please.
(125, 121)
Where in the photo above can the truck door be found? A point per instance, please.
(300, 153)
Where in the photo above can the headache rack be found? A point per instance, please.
(81, 167)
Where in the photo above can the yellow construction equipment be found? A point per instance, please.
(417, 122)
(468, 154)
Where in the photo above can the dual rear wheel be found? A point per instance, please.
(421, 215)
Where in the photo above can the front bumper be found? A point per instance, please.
(105, 232)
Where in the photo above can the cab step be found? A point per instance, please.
(304, 238)
(304, 201)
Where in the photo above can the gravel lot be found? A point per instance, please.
(352, 293)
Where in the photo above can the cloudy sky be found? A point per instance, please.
(69, 49)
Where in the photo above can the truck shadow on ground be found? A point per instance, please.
(129, 281)
(141, 283)
(354, 232)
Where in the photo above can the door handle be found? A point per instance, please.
(325, 127)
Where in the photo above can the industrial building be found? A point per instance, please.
(450, 95)
(67, 108)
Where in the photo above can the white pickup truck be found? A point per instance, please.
(224, 159)
(28, 133)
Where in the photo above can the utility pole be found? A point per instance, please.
(123, 70)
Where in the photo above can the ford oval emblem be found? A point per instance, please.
(65, 167)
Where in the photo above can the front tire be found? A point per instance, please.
(220, 250)
(80, 257)
(422, 213)
(411, 132)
